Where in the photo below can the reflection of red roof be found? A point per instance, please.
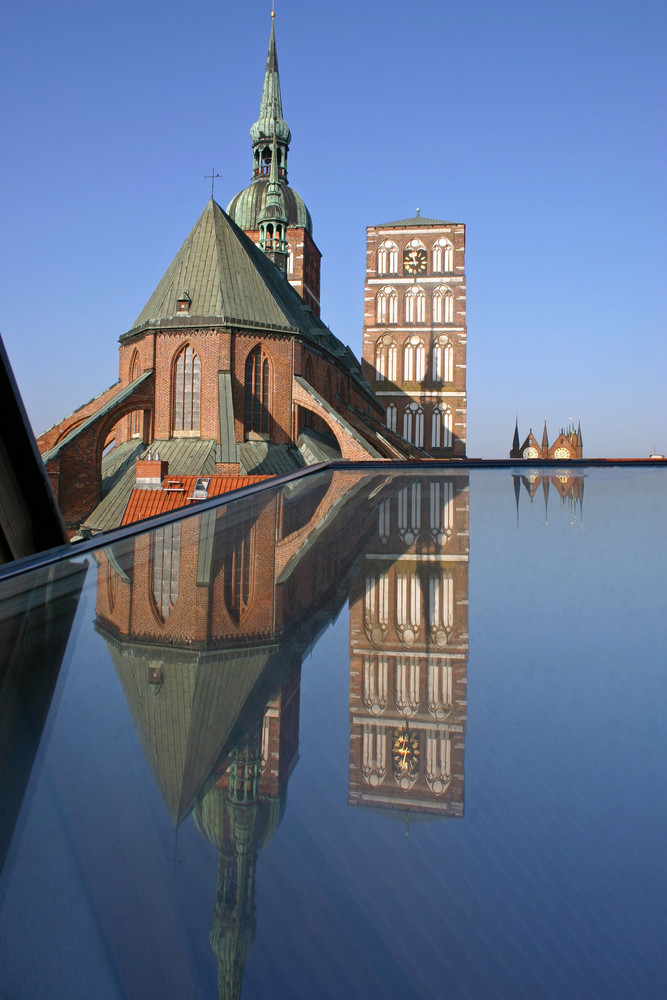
(176, 491)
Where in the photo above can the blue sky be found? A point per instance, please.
(538, 124)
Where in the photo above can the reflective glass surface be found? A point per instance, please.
(366, 734)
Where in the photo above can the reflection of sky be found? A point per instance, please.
(551, 886)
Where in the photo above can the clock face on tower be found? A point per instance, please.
(414, 260)
(405, 752)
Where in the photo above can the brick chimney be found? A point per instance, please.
(150, 473)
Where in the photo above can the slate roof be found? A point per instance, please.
(417, 220)
(183, 732)
(266, 457)
(230, 282)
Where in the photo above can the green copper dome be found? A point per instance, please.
(247, 206)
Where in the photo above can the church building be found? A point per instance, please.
(568, 444)
(228, 368)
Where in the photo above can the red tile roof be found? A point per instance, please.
(176, 491)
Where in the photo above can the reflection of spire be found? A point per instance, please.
(545, 490)
(238, 822)
(517, 493)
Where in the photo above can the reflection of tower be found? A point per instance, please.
(409, 652)
(207, 620)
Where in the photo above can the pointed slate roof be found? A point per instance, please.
(184, 725)
(227, 279)
(230, 282)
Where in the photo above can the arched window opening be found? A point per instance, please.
(443, 257)
(413, 424)
(442, 511)
(443, 360)
(409, 512)
(187, 391)
(414, 360)
(376, 607)
(238, 568)
(384, 521)
(391, 416)
(385, 359)
(441, 607)
(415, 306)
(443, 306)
(408, 605)
(310, 374)
(441, 427)
(407, 685)
(137, 415)
(387, 306)
(439, 686)
(257, 394)
(290, 260)
(165, 553)
(388, 258)
(327, 386)
(438, 762)
(375, 683)
(373, 755)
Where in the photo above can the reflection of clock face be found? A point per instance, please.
(405, 752)
(414, 260)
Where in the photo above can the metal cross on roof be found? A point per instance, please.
(211, 177)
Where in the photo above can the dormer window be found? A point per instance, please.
(183, 303)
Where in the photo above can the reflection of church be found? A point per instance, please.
(569, 488)
(207, 621)
(409, 652)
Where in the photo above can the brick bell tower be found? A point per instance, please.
(414, 347)
(270, 137)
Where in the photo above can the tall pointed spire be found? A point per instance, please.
(545, 441)
(270, 119)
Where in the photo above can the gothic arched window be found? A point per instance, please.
(414, 360)
(385, 359)
(413, 424)
(415, 306)
(388, 258)
(187, 390)
(386, 306)
(443, 256)
(257, 393)
(441, 427)
(290, 260)
(443, 360)
(238, 570)
(443, 305)
(391, 416)
(136, 415)
(165, 554)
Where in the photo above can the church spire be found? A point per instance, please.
(270, 121)
(273, 220)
